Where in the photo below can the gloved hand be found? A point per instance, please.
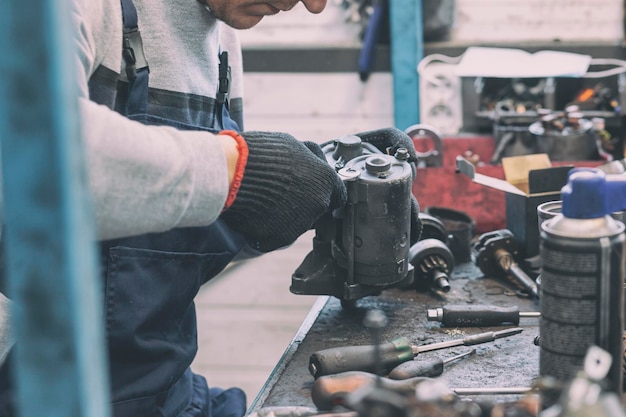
(388, 140)
(287, 185)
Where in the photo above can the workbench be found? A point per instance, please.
(507, 362)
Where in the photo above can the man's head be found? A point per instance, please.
(243, 14)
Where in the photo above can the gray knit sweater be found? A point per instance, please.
(149, 179)
(145, 178)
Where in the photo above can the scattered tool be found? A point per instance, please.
(390, 354)
(495, 253)
(477, 315)
(331, 390)
(370, 38)
(424, 367)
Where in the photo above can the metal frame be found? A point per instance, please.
(407, 50)
(49, 237)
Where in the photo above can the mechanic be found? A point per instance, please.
(179, 187)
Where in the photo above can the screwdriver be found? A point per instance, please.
(332, 390)
(426, 367)
(477, 315)
(390, 354)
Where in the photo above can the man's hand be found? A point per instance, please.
(389, 140)
(286, 186)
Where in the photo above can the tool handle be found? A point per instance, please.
(370, 38)
(417, 368)
(360, 358)
(478, 315)
(331, 390)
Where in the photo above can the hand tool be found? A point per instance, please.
(370, 38)
(390, 354)
(332, 390)
(495, 253)
(424, 367)
(474, 315)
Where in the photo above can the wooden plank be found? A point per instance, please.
(49, 234)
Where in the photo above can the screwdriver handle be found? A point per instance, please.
(331, 390)
(474, 315)
(417, 367)
(424, 367)
(360, 358)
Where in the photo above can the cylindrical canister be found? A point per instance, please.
(547, 211)
(377, 218)
(581, 298)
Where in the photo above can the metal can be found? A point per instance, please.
(581, 300)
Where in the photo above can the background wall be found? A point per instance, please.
(319, 106)
(310, 105)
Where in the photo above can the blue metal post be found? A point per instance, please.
(49, 235)
(407, 50)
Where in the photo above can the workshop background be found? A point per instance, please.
(301, 78)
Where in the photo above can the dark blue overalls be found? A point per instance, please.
(150, 281)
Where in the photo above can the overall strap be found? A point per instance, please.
(224, 121)
(137, 70)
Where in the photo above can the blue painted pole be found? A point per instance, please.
(59, 363)
(407, 50)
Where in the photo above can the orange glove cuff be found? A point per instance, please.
(242, 148)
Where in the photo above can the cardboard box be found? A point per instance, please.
(529, 181)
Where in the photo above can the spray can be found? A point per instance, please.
(583, 264)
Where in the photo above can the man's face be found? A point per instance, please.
(243, 14)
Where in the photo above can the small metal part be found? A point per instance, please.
(433, 262)
(433, 157)
(495, 253)
(492, 390)
(597, 363)
(434, 314)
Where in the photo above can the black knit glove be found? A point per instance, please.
(287, 185)
(389, 140)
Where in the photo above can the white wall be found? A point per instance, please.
(476, 21)
(318, 107)
(322, 106)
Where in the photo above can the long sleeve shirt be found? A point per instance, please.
(152, 178)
